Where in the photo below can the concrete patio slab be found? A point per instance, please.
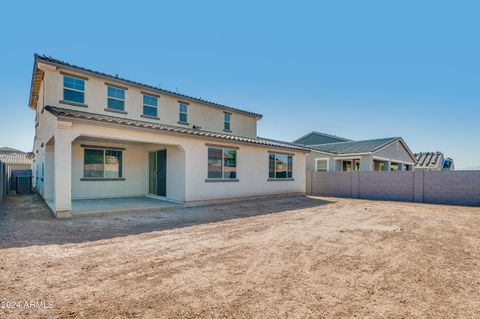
(88, 207)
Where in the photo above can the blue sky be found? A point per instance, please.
(358, 69)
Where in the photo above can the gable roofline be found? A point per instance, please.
(397, 139)
(389, 141)
(322, 134)
(69, 114)
(62, 64)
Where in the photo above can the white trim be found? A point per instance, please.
(379, 158)
(346, 155)
(347, 158)
(223, 163)
(322, 159)
(275, 166)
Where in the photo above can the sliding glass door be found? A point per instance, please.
(157, 173)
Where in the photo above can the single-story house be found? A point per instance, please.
(333, 153)
(433, 161)
(102, 136)
(15, 160)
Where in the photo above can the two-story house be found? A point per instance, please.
(102, 136)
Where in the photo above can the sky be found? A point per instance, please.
(356, 69)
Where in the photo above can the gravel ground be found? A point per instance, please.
(295, 257)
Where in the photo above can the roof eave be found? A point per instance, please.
(34, 72)
(148, 87)
(206, 133)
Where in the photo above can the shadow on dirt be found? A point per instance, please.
(26, 220)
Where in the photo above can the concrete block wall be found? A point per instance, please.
(418, 182)
(337, 184)
(452, 187)
(389, 186)
(444, 187)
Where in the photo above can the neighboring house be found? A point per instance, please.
(433, 161)
(315, 138)
(385, 154)
(101, 136)
(15, 160)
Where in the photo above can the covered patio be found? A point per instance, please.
(109, 174)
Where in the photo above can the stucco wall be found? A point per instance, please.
(134, 171)
(186, 166)
(313, 155)
(208, 117)
(252, 173)
(396, 151)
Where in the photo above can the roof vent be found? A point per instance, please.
(196, 127)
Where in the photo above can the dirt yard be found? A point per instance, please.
(295, 257)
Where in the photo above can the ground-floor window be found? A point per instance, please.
(102, 163)
(280, 166)
(222, 163)
(321, 164)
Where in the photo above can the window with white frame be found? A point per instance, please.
(321, 164)
(150, 105)
(226, 121)
(102, 163)
(182, 112)
(73, 89)
(222, 163)
(280, 166)
(116, 98)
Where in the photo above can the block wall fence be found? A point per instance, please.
(437, 187)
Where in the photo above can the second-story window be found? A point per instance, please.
(226, 121)
(150, 105)
(116, 98)
(73, 89)
(182, 115)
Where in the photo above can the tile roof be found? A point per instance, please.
(428, 160)
(66, 113)
(50, 60)
(352, 147)
(9, 150)
(315, 138)
(15, 158)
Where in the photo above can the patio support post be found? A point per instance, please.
(63, 170)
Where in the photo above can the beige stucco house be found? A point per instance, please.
(331, 153)
(101, 136)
